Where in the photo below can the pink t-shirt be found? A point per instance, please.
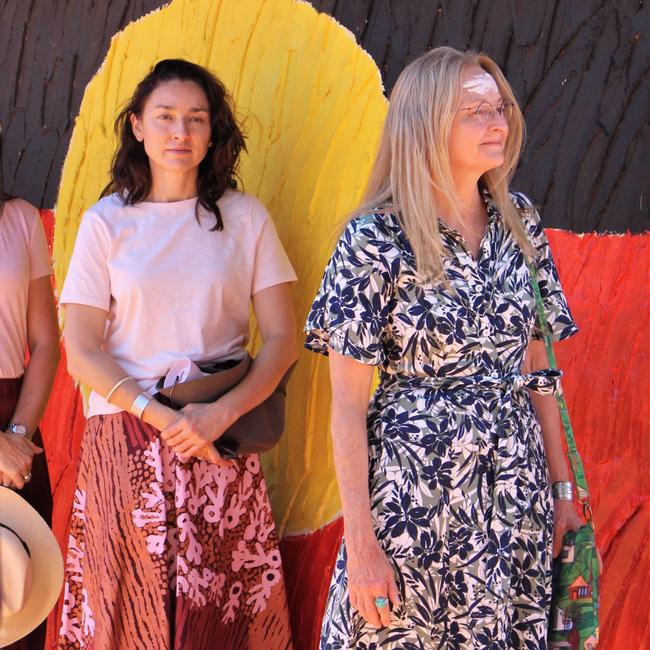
(172, 288)
(23, 258)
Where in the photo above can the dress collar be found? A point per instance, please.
(493, 214)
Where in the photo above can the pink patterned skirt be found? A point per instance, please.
(167, 555)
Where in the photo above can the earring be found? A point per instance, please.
(210, 143)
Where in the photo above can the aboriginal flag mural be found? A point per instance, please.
(310, 83)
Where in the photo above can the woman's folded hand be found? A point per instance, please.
(210, 453)
(16, 453)
(197, 427)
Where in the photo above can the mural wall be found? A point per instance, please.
(311, 95)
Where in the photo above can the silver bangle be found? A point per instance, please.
(562, 490)
(140, 403)
(116, 385)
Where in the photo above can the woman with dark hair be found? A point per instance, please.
(27, 322)
(170, 545)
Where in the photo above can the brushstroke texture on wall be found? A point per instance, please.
(314, 103)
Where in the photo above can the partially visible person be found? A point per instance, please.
(27, 324)
(32, 571)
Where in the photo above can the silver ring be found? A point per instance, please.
(27, 477)
(380, 602)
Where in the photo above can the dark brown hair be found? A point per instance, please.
(130, 171)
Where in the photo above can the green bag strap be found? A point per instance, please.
(573, 455)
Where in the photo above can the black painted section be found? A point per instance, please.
(49, 51)
(579, 67)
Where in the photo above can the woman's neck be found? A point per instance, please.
(167, 187)
(469, 209)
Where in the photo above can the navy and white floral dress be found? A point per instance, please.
(459, 485)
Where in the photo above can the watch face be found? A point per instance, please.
(18, 429)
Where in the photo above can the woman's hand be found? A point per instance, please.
(370, 576)
(163, 418)
(193, 433)
(210, 453)
(16, 453)
(565, 518)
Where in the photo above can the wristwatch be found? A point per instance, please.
(18, 429)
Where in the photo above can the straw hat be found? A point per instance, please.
(31, 568)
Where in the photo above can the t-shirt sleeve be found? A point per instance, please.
(40, 264)
(87, 281)
(352, 307)
(558, 314)
(272, 265)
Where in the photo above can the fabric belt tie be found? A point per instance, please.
(545, 382)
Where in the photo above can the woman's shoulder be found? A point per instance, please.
(106, 211)
(527, 209)
(378, 226)
(240, 206)
(108, 206)
(20, 209)
(520, 200)
(102, 219)
(526, 206)
(373, 239)
(236, 201)
(21, 217)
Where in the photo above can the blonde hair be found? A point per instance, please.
(413, 156)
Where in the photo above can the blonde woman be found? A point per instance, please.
(445, 479)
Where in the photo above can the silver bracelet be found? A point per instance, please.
(140, 403)
(116, 385)
(562, 490)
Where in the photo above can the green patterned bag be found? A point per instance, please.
(573, 621)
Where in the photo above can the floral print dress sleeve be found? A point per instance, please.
(558, 314)
(351, 310)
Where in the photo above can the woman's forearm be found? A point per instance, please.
(272, 361)
(36, 386)
(351, 382)
(43, 344)
(350, 445)
(549, 418)
(548, 414)
(100, 372)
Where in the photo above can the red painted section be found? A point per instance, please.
(308, 562)
(606, 279)
(62, 427)
(47, 217)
